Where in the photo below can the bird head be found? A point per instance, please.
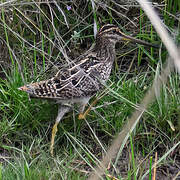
(114, 34)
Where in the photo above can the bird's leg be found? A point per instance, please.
(82, 105)
(83, 114)
(61, 111)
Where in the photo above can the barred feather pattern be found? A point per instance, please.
(85, 76)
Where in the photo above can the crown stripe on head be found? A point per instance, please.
(106, 27)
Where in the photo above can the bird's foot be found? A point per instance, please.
(83, 115)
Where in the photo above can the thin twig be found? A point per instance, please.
(155, 167)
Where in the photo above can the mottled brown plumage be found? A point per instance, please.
(81, 79)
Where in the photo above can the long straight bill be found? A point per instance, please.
(129, 38)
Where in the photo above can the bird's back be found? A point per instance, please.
(78, 80)
(84, 77)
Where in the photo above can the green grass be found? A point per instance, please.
(37, 38)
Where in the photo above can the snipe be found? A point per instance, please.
(82, 79)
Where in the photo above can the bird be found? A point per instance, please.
(83, 78)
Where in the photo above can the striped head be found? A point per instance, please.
(110, 32)
(114, 34)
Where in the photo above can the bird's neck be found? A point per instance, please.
(105, 48)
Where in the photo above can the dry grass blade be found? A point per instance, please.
(176, 176)
(149, 97)
(130, 125)
(166, 39)
(155, 167)
(37, 39)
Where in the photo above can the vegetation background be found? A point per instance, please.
(39, 37)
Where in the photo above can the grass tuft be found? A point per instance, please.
(36, 40)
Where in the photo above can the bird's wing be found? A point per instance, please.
(78, 80)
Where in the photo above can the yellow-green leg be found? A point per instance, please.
(61, 111)
(83, 115)
(54, 131)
